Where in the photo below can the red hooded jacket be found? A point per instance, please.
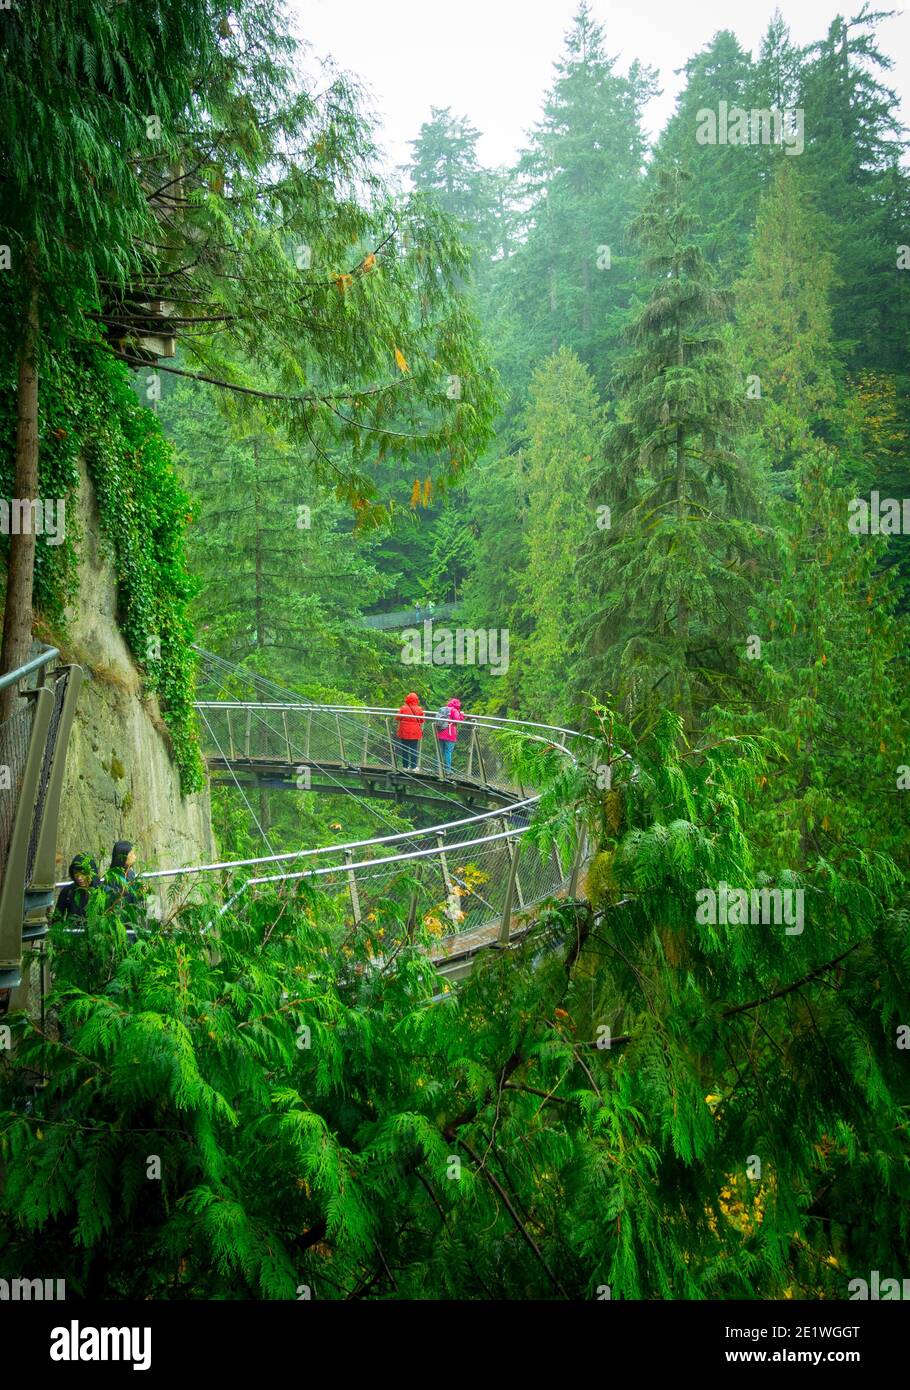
(410, 718)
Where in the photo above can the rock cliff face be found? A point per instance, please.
(120, 781)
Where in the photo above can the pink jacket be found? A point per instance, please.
(448, 733)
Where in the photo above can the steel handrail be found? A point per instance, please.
(35, 664)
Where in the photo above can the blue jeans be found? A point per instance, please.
(409, 750)
(448, 748)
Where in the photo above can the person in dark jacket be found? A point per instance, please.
(72, 904)
(121, 876)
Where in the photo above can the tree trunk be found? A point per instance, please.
(682, 607)
(586, 295)
(17, 612)
(259, 600)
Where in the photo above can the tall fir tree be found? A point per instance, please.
(784, 329)
(572, 281)
(563, 423)
(670, 576)
(856, 177)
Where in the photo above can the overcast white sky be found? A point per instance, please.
(491, 60)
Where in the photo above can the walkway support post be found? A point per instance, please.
(471, 746)
(505, 924)
(451, 909)
(412, 914)
(352, 884)
(483, 771)
(519, 894)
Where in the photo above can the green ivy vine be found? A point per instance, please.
(87, 407)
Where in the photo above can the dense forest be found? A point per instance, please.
(638, 407)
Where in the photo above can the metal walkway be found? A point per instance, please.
(466, 877)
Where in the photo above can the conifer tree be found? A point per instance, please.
(853, 167)
(572, 281)
(563, 423)
(784, 332)
(828, 690)
(725, 182)
(670, 575)
(245, 213)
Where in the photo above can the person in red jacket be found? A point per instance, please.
(410, 730)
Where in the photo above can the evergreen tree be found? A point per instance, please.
(563, 423)
(252, 222)
(784, 335)
(726, 178)
(853, 169)
(637, 1099)
(283, 582)
(445, 165)
(571, 282)
(76, 79)
(670, 576)
(828, 690)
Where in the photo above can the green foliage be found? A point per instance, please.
(672, 571)
(299, 1107)
(564, 423)
(89, 411)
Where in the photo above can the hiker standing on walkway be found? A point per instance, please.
(447, 720)
(120, 881)
(72, 904)
(410, 730)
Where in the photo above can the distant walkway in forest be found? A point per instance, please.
(407, 617)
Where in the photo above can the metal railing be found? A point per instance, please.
(464, 878)
(33, 744)
(409, 617)
(467, 878)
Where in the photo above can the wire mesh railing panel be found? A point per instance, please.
(452, 878)
(14, 740)
(60, 688)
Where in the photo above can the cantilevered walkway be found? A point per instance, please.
(468, 875)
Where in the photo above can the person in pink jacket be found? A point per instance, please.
(447, 721)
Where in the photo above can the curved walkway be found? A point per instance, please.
(465, 876)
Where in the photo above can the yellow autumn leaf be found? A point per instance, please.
(369, 261)
(415, 493)
(400, 361)
(427, 490)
